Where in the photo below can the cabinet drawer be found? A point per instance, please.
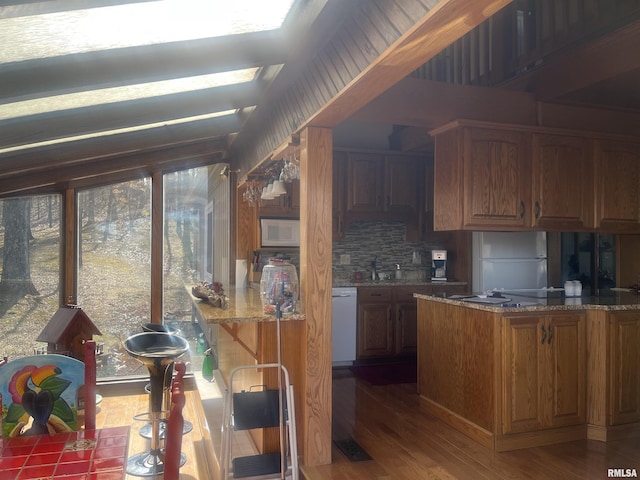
(405, 294)
(375, 294)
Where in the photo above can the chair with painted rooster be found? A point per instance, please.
(46, 394)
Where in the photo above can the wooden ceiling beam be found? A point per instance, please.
(445, 23)
(426, 103)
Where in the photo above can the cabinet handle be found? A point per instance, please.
(521, 208)
(375, 294)
(544, 334)
(537, 210)
(550, 334)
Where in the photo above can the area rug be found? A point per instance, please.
(387, 373)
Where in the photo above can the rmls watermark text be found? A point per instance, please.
(622, 473)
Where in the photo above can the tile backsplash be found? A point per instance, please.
(364, 241)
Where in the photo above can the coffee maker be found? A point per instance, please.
(439, 265)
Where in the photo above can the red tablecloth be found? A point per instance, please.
(85, 455)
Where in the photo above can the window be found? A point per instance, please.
(185, 236)
(30, 282)
(114, 268)
(113, 265)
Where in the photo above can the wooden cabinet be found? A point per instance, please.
(496, 178)
(365, 182)
(562, 183)
(382, 186)
(338, 192)
(624, 388)
(617, 173)
(401, 184)
(516, 177)
(287, 205)
(387, 319)
(375, 329)
(544, 371)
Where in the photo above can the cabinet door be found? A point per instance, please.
(375, 330)
(617, 186)
(364, 193)
(497, 176)
(287, 205)
(522, 358)
(406, 318)
(401, 177)
(544, 368)
(625, 360)
(406, 328)
(338, 188)
(565, 374)
(562, 183)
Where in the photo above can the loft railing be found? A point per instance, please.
(522, 35)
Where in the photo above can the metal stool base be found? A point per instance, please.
(148, 464)
(145, 430)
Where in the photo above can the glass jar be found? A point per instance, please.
(279, 286)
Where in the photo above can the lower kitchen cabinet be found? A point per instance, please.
(387, 319)
(375, 332)
(544, 371)
(625, 362)
(614, 359)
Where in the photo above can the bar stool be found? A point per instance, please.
(146, 430)
(157, 351)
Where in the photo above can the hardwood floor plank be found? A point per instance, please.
(406, 442)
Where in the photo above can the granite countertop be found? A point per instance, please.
(390, 283)
(555, 301)
(244, 306)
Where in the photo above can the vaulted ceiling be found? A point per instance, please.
(65, 120)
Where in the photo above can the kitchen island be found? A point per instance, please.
(242, 334)
(536, 371)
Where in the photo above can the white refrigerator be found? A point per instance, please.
(509, 261)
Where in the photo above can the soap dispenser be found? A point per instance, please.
(398, 272)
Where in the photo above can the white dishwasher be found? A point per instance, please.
(344, 317)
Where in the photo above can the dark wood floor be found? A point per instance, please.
(407, 443)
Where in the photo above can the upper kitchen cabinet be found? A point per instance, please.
(617, 173)
(481, 178)
(287, 205)
(382, 186)
(365, 182)
(562, 168)
(518, 177)
(338, 191)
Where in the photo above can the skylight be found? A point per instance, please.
(121, 94)
(27, 35)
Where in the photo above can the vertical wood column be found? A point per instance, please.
(70, 248)
(316, 164)
(157, 242)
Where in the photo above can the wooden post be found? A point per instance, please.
(316, 177)
(90, 385)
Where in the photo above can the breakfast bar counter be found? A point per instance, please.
(243, 334)
(534, 372)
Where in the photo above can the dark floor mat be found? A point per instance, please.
(387, 373)
(351, 450)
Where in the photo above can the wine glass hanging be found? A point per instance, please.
(252, 194)
(291, 168)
